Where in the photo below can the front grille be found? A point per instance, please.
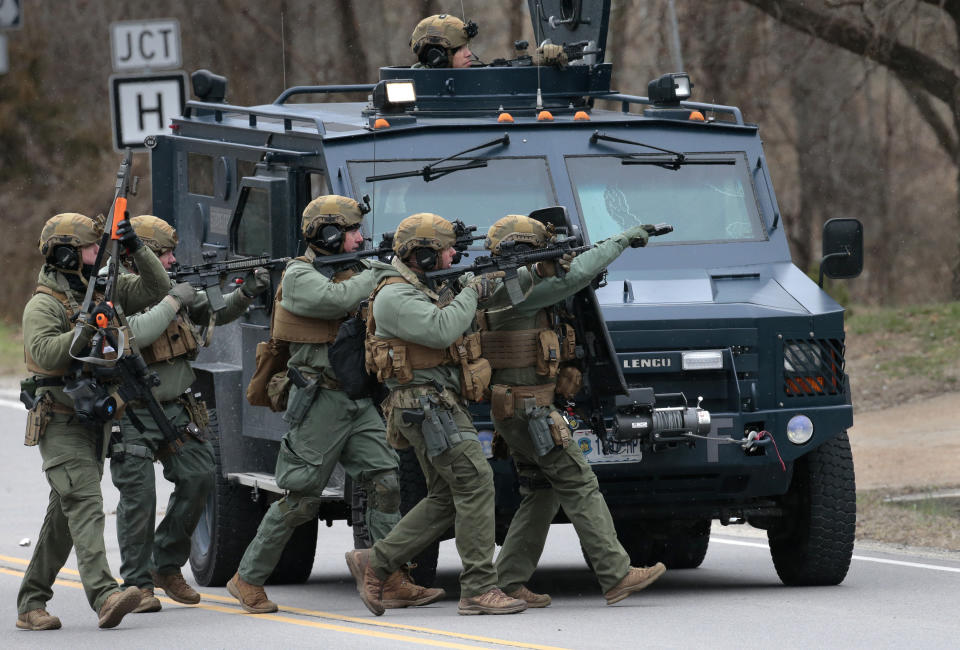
(813, 367)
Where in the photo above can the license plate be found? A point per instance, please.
(619, 452)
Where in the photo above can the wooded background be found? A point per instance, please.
(858, 104)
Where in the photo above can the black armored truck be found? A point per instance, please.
(729, 399)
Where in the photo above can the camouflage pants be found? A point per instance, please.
(336, 429)
(459, 492)
(192, 473)
(561, 477)
(73, 462)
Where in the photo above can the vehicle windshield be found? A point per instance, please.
(703, 203)
(477, 196)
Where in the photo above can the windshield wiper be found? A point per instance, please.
(430, 173)
(676, 160)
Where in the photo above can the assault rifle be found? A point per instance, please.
(210, 274)
(574, 52)
(329, 265)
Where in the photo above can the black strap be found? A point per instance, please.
(43, 382)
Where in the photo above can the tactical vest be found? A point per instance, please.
(543, 348)
(177, 340)
(70, 307)
(287, 326)
(395, 358)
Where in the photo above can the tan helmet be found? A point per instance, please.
(516, 227)
(444, 30)
(423, 230)
(158, 235)
(69, 228)
(331, 209)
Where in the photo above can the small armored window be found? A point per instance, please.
(200, 174)
(318, 184)
(253, 222)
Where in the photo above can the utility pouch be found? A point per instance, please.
(569, 381)
(438, 427)
(278, 390)
(559, 430)
(272, 357)
(37, 419)
(538, 424)
(466, 348)
(475, 380)
(197, 410)
(300, 403)
(548, 353)
(402, 370)
(568, 342)
(501, 401)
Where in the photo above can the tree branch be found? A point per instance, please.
(929, 113)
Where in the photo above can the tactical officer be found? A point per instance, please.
(72, 448)
(326, 426)
(169, 340)
(442, 41)
(416, 344)
(527, 345)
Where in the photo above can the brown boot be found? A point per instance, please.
(492, 602)
(252, 597)
(368, 584)
(532, 599)
(148, 602)
(399, 590)
(117, 605)
(38, 619)
(635, 580)
(176, 587)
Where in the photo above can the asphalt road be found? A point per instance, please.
(890, 599)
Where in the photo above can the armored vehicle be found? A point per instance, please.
(713, 317)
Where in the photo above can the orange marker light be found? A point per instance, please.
(581, 116)
(381, 124)
(505, 117)
(697, 116)
(544, 116)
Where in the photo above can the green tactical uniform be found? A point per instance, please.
(334, 429)
(191, 470)
(459, 479)
(561, 476)
(73, 452)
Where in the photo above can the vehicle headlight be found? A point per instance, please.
(799, 429)
(802, 358)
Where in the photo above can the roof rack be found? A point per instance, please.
(626, 100)
(218, 109)
(321, 90)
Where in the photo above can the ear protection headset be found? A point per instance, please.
(426, 258)
(434, 56)
(65, 257)
(327, 236)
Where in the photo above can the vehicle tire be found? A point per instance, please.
(813, 543)
(296, 562)
(687, 549)
(358, 510)
(413, 487)
(678, 545)
(228, 523)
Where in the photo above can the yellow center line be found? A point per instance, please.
(320, 614)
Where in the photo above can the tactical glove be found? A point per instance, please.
(484, 284)
(548, 269)
(637, 236)
(256, 282)
(128, 236)
(184, 293)
(550, 55)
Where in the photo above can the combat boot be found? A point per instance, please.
(491, 602)
(252, 598)
(530, 598)
(148, 602)
(637, 578)
(369, 585)
(38, 619)
(399, 590)
(117, 605)
(176, 587)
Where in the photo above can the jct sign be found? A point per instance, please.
(145, 44)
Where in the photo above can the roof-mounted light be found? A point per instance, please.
(208, 87)
(670, 89)
(394, 95)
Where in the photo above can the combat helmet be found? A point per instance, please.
(423, 230)
(70, 229)
(158, 235)
(444, 30)
(327, 217)
(518, 228)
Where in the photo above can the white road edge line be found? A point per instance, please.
(862, 558)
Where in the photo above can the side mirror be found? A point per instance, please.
(842, 249)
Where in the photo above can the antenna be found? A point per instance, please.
(283, 51)
(539, 38)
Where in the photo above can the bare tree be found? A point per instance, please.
(866, 28)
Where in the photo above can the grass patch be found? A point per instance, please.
(11, 351)
(932, 523)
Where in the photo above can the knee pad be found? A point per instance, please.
(383, 491)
